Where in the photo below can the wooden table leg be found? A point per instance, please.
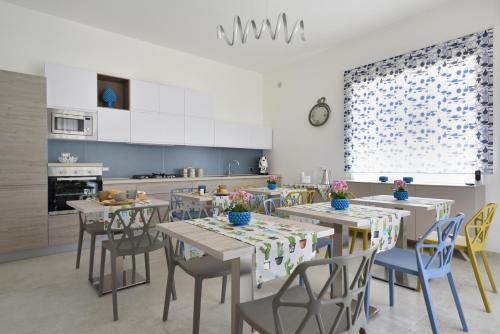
(241, 287)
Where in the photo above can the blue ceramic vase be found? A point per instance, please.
(408, 179)
(271, 186)
(340, 203)
(401, 195)
(383, 179)
(109, 97)
(239, 218)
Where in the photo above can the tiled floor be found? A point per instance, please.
(48, 295)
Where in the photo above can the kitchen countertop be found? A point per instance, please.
(181, 179)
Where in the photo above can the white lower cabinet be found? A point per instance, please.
(113, 125)
(199, 131)
(155, 128)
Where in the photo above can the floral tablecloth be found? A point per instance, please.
(384, 224)
(279, 247)
(108, 210)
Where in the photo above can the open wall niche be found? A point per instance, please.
(121, 87)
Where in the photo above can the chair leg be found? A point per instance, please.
(223, 292)
(101, 271)
(79, 249)
(479, 280)
(134, 268)
(113, 287)
(367, 298)
(488, 271)
(91, 261)
(365, 241)
(239, 321)
(169, 292)
(391, 287)
(457, 302)
(146, 263)
(330, 266)
(428, 304)
(353, 242)
(174, 292)
(197, 305)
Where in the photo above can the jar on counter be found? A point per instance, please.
(199, 172)
(191, 172)
(184, 172)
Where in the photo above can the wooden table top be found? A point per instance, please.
(194, 196)
(410, 203)
(339, 217)
(92, 206)
(223, 247)
(274, 192)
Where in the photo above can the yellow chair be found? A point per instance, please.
(474, 241)
(294, 198)
(365, 232)
(310, 196)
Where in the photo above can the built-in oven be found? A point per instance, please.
(69, 182)
(69, 124)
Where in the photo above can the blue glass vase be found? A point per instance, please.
(239, 218)
(271, 186)
(340, 203)
(401, 195)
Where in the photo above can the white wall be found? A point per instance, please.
(300, 147)
(29, 39)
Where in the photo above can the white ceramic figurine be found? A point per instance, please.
(263, 166)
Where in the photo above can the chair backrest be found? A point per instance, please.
(176, 201)
(293, 198)
(135, 225)
(256, 202)
(270, 205)
(310, 196)
(350, 316)
(439, 263)
(188, 211)
(478, 228)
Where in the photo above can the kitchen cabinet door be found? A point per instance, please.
(113, 125)
(260, 137)
(71, 88)
(199, 104)
(199, 131)
(150, 128)
(171, 100)
(144, 96)
(229, 134)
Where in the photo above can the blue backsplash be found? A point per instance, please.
(125, 160)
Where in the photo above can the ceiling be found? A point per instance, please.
(190, 25)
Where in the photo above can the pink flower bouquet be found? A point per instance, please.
(241, 201)
(399, 185)
(340, 190)
(273, 179)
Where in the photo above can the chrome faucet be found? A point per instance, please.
(229, 166)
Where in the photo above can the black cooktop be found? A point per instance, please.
(154, 176)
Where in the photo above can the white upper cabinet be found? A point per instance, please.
(155, 128)
(171, 100)
(144, 96)
(228, 134)
(113, 125)
(71, 88)
(199, 131)
(199, 104)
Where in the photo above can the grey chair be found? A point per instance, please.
(94, 228)
(199, 268)
(296, 309)
(137, 236)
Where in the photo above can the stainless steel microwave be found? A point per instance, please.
(70, 124)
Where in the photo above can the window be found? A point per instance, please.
(428, 111)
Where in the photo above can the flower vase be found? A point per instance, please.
(239, 218)
(401, 195)
(271, 186)
(340, 203)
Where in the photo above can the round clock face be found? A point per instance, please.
(319, 114)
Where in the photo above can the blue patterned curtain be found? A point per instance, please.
(427, 111)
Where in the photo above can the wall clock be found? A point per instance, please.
(319, 113)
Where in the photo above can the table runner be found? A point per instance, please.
(279, 247)
(384, 223)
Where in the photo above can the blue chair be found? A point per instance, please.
(270, 205)
(426, 267)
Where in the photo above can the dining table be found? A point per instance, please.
(210, 235)
(354, 216)
(279, 191)
(441, 206)
(89, 211)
